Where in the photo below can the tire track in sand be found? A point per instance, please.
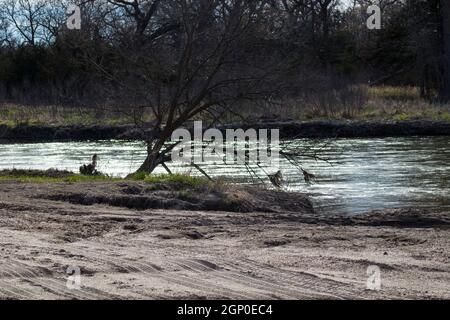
(334, 289)
(269, 288)
(202, 285)
(56, 286)
(265, 287)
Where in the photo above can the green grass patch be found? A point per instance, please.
(444, 116)
(401, 117)
(72, 179)
(55, 176)
(49, 176)
(8, 123)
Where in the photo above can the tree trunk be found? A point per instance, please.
(445, 91)
(155, 144)
(154, 155)
(149, 164)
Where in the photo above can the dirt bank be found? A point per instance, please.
(71, 132)
(288, 129)
(271, 252)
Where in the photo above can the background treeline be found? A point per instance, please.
(127, 50)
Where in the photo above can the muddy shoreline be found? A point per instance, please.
(288, 129)
(268, 251)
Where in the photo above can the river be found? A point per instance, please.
(361, 174)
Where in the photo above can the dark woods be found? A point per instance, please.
(131, 52)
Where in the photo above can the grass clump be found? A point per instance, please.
(48, 176)
(36, 179)
(401, 117)
(402, 93)
(444, 116)
(8, 123)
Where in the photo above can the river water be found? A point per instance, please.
(361, 174)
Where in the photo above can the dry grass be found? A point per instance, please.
(360, 103)
(405, 110)
(406, 93)
(13, 115)
(352, 102)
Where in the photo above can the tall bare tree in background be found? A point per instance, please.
(26, 17)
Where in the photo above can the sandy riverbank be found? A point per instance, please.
(155, 253)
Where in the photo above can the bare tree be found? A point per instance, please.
(202, 66)
(144, 14)
(52, 19)
(25, 17)
(5, 33)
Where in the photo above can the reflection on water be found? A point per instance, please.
(365, 174)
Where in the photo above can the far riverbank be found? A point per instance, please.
(288, 130)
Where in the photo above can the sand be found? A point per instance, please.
(178, 254)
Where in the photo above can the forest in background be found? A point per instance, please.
(317, 55)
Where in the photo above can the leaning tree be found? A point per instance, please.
(182, 59)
